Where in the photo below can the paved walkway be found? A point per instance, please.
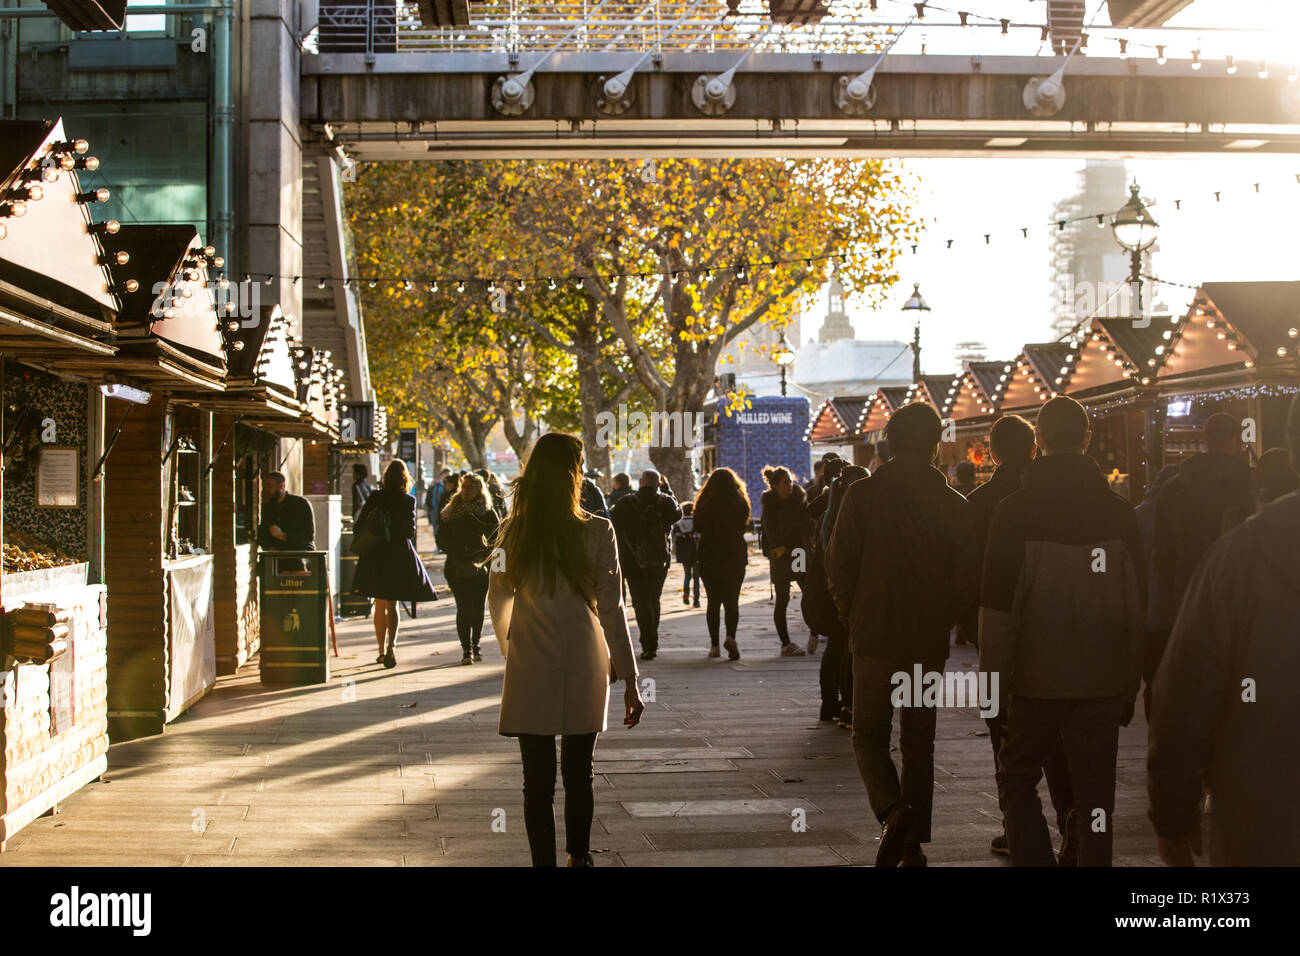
(404, 767)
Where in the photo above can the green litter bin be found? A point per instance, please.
(293, 592)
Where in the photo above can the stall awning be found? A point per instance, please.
(977, 393)
(836, 421)
(886, 401)
(1031, 380)
(941, 391)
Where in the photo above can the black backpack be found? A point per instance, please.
(648, 539)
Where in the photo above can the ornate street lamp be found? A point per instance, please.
(916, 303)
(784, 357)
(1135, 230)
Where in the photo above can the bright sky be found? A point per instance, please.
(1000, 293)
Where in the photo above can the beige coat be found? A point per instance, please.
(558, 650)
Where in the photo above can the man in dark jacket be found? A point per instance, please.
(1189, 517)
(901, 569)
(361, 488)
(287, 520)
(642, 522)
(1062, 618)
(1223, 710)
(593, 499)
(1011, 441)
(622, 488)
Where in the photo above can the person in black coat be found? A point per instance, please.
(467, 528)
(392, 572)
(720, 517)
(786, 530)
(642, 522)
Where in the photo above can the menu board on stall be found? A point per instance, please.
(63, 690)
(58, 477)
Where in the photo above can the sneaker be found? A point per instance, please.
(733, 652)
(892, 836)
(1000, 844)
(912, 856)
(812, 643)
(647, 655)
(713, 651)
(791, 650)
(478, 658)
(466, 660)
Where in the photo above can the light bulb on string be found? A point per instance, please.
(1230, 64)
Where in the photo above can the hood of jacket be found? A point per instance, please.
(1065, 475)
(1215, 476)
(1273, 533)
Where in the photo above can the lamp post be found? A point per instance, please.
(783, 356)
(1135, 230)
(916, 303)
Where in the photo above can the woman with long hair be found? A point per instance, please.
(721, 516)
(786, 528)
(391, 572)
(467, 528)
(557, 611)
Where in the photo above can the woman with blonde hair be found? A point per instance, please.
(467, 526)
(557, 611)
(390, 571)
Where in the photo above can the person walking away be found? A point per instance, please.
(466, 532)
(449, 485)
(622, 488)
(818, 502)
(496, 494)
(557, 612)
(902, 572)
(785, 540)
(391, 572)
(686, 550)
(361, 488)
(1190, 513)
(1223, 713)
(1062, 621)
(1272, 478)
(1011, 443)
(836, 670)
(642, 521)
(1161, 610)
(965, 478)
(721, 515)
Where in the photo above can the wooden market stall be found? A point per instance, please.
(57, 311)
(973, 409)
(159, 504)
(834, 428)
(1236, 350)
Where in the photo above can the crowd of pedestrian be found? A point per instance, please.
(1075, 600)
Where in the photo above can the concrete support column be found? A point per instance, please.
(273, 235)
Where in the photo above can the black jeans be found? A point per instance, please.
(576, 753)
(1056, 768)
(722, 589)
(873, 722)
(691, 572)
(782, 586)
(647, 587)
(836, 673)
(470, 594)
(1088, 728)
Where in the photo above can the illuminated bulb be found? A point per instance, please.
(50, 174)
(1231, 64)
(1196, 59)
(1281, 352)
(1263, 71)
(209, 251)
(131, 285)
(1292, 332)
(18, 208)
(238, 345)
(90, 164)
(218, 262)
(1160, 55)
(67, 163)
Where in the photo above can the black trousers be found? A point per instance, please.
(873, 722)
(647, 588)
(1056, 768)
(782, 585)
(576, 754)
(1153, 651)
(1088, 729)
(836, 673)
(470, 594)
(722, 588)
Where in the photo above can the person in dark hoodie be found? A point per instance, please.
(466, 530)
(785, 539)
(1190, 512)
(1062, 621)
(1011, 442)
(902, 573)
(836, 673)
(1160, 614)
(642, 523)
(1224, 714)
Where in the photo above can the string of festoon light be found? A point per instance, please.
(740, 268)
(1125, 45)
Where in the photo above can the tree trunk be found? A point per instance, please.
(591, 395)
